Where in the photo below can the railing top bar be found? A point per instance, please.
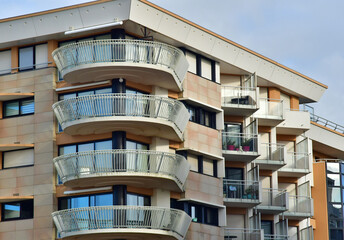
(298, 153)
(271, 99)
(118, 151)
(117, 41)
(240, 134)
(241, 230)
(328, 160)
(149, 208)
(239, 87)
(129, 96)
(274, 189)
(300, 196)
(280, 145)
(240, 181)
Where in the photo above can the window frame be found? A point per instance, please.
(200, 115)
(20, 105)
(3, 219)
(34, 66)
(3, 159)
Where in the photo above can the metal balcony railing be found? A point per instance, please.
(116, 105)
(233, 96)
(122, 162)
(242, 234)
(270, 108)
(327, 123)
(79, 221)
(307, 233)
(296, 160)
(242, 142)
(236, 189)
(121, 51)
(271, 152)
(300, 205)
(275, 237)
(274, 198)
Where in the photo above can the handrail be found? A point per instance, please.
(237, 95)
(240, 141)
(327, 123)
(272, 152)
(122, 161)
(300, 204)
(241, 189)
(243, 233)
(122, 104)
(297, 160)
(270, 107)
(121, 50)
(80, 220)
(274, 197)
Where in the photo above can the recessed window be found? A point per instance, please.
(18, 158)
(198, 213)
(5, 62)
(19, 107)
(201, 66)
(33, 57)
(201, 116)
(17, 210)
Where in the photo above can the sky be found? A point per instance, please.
(306, 35)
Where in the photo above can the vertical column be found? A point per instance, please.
(118, 85)
(119, 140)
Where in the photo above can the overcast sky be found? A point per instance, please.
(304, 35)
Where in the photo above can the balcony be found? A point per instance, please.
(240, 101)
(147, 115)
(274, 201)
(271, 156)
(297, 165)
(145, 62)
(243, 234)
(241, 193)
(296, 122)
(241, 147)
(270, 112)
(300, 207)
(121, 222)
(138, 168)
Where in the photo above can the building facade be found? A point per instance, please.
(122, 120)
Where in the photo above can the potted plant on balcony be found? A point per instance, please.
(251, 193)
(246, 145)
(230, 145)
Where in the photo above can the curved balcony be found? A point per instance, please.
(122, 222)
(146, 62)
(146, 115)
(139, 168)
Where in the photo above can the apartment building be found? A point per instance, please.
(122, 120)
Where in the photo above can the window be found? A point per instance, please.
(200, 164)
(198, 213)
(104, 199)
(200, 65)
(201, 116)
(33, 57)
(17, 210)
(18, 158)
(5, 62)
(19, 107)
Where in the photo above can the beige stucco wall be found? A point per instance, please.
(38, 180)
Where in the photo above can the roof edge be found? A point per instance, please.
(232, 42)
(53, 10)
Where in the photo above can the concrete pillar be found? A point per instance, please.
(161, 198)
